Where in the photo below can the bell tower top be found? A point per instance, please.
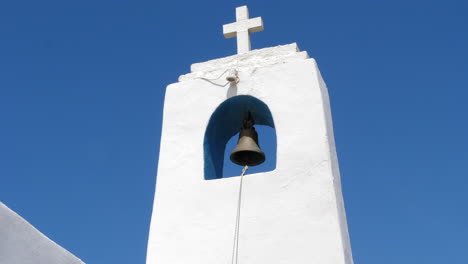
(291, 214)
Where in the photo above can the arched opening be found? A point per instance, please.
(222, 132)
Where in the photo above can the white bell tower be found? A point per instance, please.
(291, 215)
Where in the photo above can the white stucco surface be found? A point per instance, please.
(21, 243)
(291, 215)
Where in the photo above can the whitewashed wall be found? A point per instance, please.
(293, 214)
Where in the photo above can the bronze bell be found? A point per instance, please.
(247, 151)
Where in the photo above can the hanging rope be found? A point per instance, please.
(235, 246)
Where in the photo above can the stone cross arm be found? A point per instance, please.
(252, 25)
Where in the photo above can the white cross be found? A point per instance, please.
(242, 29)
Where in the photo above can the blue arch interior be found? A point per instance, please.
(225, 123)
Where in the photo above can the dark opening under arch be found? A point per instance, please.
(224, 123)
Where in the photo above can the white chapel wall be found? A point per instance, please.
(293, 214)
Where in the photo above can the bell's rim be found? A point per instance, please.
(248, 157)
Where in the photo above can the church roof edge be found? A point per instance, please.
(252, 59)
(21, 242)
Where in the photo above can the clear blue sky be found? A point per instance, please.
(81, 97)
